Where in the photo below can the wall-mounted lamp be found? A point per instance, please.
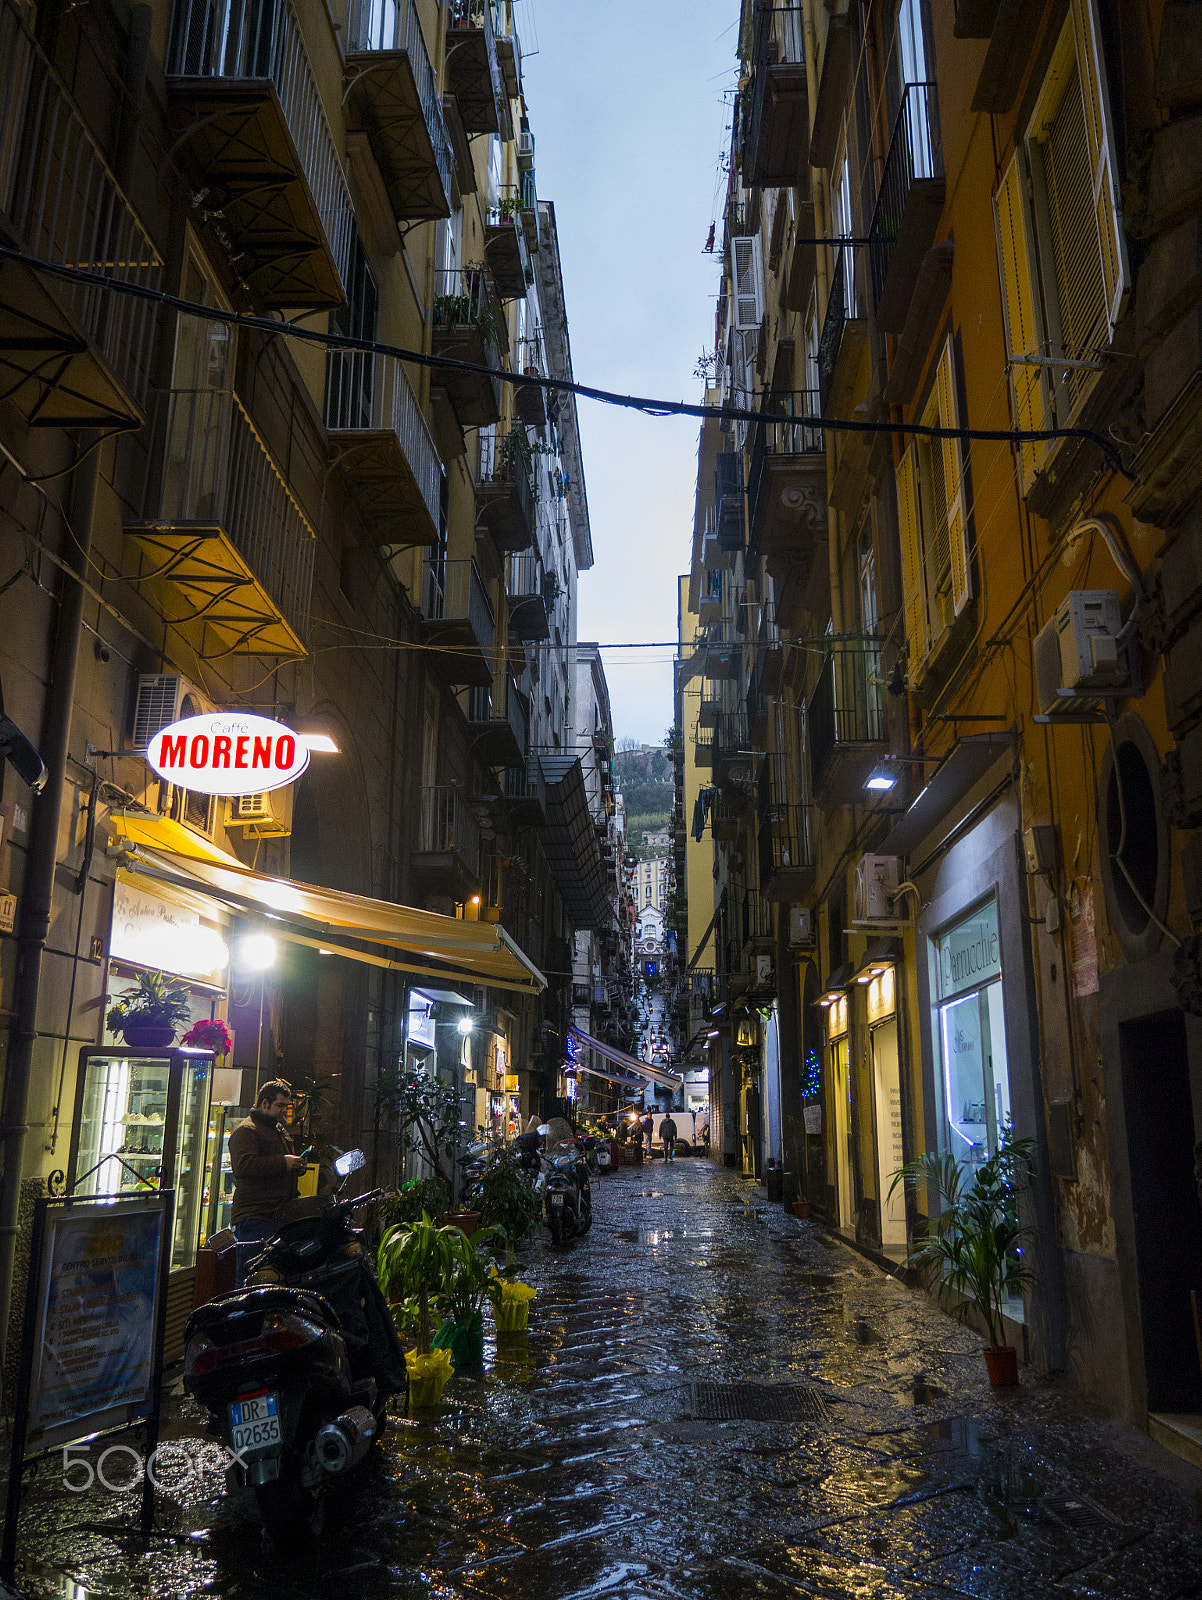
(320, 744)
(881, 778)
(466, 1024)
(256, 951)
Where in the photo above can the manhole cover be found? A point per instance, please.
(1080, 1515)
(758, 1402)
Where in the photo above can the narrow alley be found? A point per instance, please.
(713, 1399)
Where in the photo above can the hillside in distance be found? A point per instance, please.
(645, 774)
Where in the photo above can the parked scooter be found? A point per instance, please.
(568, 1195)
(296, 1369)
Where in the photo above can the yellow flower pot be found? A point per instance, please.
(512, 1312)
(428, 1376)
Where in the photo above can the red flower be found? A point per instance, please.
(210, 1034)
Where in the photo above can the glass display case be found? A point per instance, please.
(219, 1191)
(141, 1115)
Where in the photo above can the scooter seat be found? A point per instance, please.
(261, 1301)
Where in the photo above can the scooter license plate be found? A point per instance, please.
(557, 1197)
(254, 1423)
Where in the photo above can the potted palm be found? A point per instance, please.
(416, 1261)
(462, 1331)
(972, 1252)
(148, 1015)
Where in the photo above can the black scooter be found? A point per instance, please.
(568, 1195)
(296, 1369)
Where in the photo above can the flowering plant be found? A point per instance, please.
(210, 1033)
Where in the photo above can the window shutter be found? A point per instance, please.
(953, 477)
(1028, 383)
(1100, 136)
(748, 281)
(913, 585)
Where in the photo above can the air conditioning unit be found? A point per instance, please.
(877, 878)
(801, 928)
(161, 699)
(1078, 658)
(261, 816)
(525, 150)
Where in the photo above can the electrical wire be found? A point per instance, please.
(651, 407)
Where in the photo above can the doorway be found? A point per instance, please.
(1159, 1114)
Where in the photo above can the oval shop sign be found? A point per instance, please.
(228, 753)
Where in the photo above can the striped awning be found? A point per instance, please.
(658, 1075)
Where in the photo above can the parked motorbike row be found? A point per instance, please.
(297, 1368)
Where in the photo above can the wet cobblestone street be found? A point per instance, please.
(589, 1460)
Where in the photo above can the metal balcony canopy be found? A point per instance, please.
(442, 949)
(969, 761)
(569, 842)
(665, 1080)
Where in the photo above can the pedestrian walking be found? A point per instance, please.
(648, 1128)
(265, 1170)
(667, 1132)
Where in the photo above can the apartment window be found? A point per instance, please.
(349, 372)
(869, 614)
(1060, 243)
(936, 574)
(912, 70)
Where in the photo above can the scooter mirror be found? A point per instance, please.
(349, 1162)
(543, 1130)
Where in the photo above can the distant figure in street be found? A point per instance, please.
(667, 1132)
(648, 1134)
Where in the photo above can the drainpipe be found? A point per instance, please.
(38, 888)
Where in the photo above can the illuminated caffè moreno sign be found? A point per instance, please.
(228, 753)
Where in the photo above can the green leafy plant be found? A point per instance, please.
(509, 1207)
(472, 1271)
(152, 1002)
(429, 1111)
(972, 1253)
(417, 1262)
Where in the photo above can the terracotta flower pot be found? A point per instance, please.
(801, 1208)
(467, 1221)
(1003, 1367)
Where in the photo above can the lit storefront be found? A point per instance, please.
(881, 995)
(838, 1109)
(970, 1036)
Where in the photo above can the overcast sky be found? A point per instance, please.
(627, 108)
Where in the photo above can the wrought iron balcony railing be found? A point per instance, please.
(394, 25)
(915, 154)
(453, 591)
(370, 393)
(261, 40)
(214, 472)
(450, 825)
(833, 322)
(65, 206)
(847, 707)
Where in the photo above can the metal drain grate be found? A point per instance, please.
(758, 1402)
(1081, 1515)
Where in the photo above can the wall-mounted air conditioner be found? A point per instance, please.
(261, 816)
(160, 699)
(877, 878)
(1079, 659)
(801, 928)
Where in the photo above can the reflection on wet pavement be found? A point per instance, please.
(583, 1463)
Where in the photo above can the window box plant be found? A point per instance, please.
(972, 1253)
(148, 1015)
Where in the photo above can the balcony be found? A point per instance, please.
(500, 729)
(228, 552)
(786, 840)
(846, 720)
(732, 750)
(384, 449)
(723, 656)
(725, 818)
(728, 500)
(703, 748)
(505, 489)
(710, 600)
(392, 99)
(447, 859)
(509, 59)
(468, 325)
(255, 134)
(459, 620)
(529, 400)
(755, 921)
(786, 485)
(523, 794)
(776, 152)
(758, 716)
(711, 705)
(505, 246)
(532, 594)
(72, 356)
(473, 72)
(844, 335)
(908, 206)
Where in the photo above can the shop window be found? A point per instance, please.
(936, 575)
(971, 1036)
(1060, 242)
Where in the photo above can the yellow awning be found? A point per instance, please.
(474, 952)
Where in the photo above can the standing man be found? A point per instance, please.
(667, 1132)
(648, 1128)
(265, 1169)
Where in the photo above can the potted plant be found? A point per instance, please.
(972, 1253)
(416, 1261)
(794, 1145)
(462, 1331)
(148, 1015)
(509, 1207)
(210, 1033)
(510, 1299)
